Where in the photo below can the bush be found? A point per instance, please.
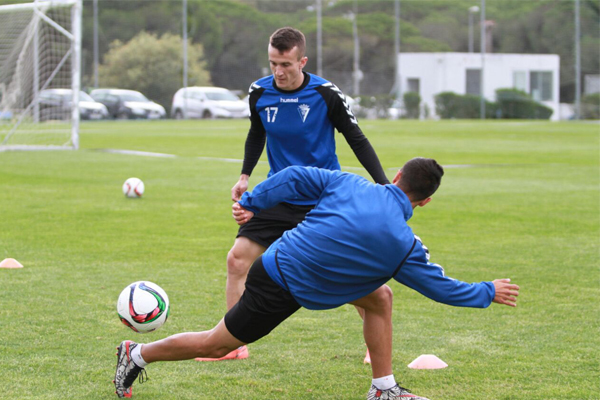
(590, 106)
(541, 111)
(412, 101)
(446, 104)
(452, 105)
(516, 104)
(153, 66)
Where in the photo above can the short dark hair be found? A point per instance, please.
(285, 39)
(421, 177)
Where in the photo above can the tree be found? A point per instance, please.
(153, 66)
(376, 35)
(122, 20)
(234, 34)
(549, 29)
(235, 37)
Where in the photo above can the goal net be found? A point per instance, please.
(40, 57)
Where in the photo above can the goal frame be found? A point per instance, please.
(39, 8)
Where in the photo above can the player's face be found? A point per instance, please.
(287, 68)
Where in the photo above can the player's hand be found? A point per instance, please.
(506, 292)
(240, 214)
(239, 188)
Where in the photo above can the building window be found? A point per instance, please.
(473, 82)
(540, 85)
(414, 85)
(520, 80)
(591, 84)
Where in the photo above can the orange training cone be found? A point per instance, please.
(10, 263)
(427, 361)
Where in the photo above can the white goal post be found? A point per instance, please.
(40, 60)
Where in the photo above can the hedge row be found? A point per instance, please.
(451, 105)
(590, 106)
(510, 103)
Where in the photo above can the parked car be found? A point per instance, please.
(395, 110)
(6, 115)
(374, 108)
(128, 104)
(56, 104)
(208, 102)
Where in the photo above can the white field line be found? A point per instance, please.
(239, 161)
(227, 160)
(137, 153)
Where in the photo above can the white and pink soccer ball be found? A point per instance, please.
(133, 188)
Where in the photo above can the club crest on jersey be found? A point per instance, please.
(303, 110)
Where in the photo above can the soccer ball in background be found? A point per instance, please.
(133, 187)
(143, 306)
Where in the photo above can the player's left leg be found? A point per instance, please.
(184, 346)
(262, 307)
(133, 357)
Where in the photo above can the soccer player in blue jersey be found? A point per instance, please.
(353, 242)
(296, 114)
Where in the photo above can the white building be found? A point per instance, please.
(431, 73)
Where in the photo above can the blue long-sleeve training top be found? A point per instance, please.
(298, 127)
(352, 242)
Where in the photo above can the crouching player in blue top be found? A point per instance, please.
(347, 248)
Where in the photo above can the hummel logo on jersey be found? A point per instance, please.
(303, 109)
(282, 100)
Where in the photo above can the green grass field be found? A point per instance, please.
(519, 200)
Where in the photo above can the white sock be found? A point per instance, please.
(385, 382)
(136, 356)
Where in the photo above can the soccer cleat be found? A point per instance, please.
(126, 371)
(395, 393)
(240, 353)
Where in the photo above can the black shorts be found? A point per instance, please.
(263, 306)
(268, 225)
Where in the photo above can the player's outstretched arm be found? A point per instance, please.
(506, 292)
(292, 183)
